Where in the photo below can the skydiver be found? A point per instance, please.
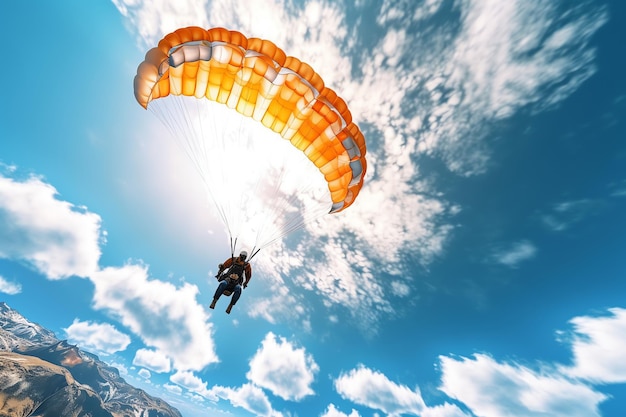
(232, 279)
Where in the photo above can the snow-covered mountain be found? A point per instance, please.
(18, 332)
(44, 376)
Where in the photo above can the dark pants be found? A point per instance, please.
(223, 286)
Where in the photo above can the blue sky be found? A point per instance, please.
(480, 272)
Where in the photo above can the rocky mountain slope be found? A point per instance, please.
(41, 375)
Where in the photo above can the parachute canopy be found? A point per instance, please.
(194, 75)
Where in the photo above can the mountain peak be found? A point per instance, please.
(20, 332)
(53, 368)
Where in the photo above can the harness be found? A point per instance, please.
(237, 268)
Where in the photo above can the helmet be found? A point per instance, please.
(243, 254)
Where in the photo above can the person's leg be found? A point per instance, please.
(218, 292)
(236, 294)
(235, 297)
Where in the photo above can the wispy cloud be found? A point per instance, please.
(154, 18)
(280, 302)
(373, 389)
(416, 88)
(513, 254)
(144, 373)
(249, 397)
(174, 389)
(506, 55)
(618, 189)
(57, 238)
(9, 287)
(565, 214)
(489, 387)
(192, 383)
(98, 337)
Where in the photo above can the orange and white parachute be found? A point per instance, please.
(196, 79)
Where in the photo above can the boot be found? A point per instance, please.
(213, 303)
(230, 306)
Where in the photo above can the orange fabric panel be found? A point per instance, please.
(202, 79)
(190, 72)
(305, 71)
(338, 103)
(268, 49)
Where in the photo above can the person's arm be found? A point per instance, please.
(223, 266)
(248, 275)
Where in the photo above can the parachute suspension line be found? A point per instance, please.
(253, 252)
(256, 191)
(176, 114)
(222, 144)
(291, 201)
(212, 160)
(233, 245)
(244, 137)
(277, 208)
(283, 203)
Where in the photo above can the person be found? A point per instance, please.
(232, 280)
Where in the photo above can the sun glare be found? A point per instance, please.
(261, 186)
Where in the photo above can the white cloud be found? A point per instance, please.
(280, 302)
(101, 337)
(506, 56)
(153, 19)
(153, 360)
(120, 367)
(277, 365)
(285, 370)
(515, 254)
(491, 388)
(165, 317)
(618, 188)
(332, 411)
(400, 289)
(174, 389)
(567, 213)
(9, 287)
(57, 238)
(374, 390)
(249, 397)
(599, 348)
(194, 384)
(144, 373)
(416, 88)
(488, 387)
